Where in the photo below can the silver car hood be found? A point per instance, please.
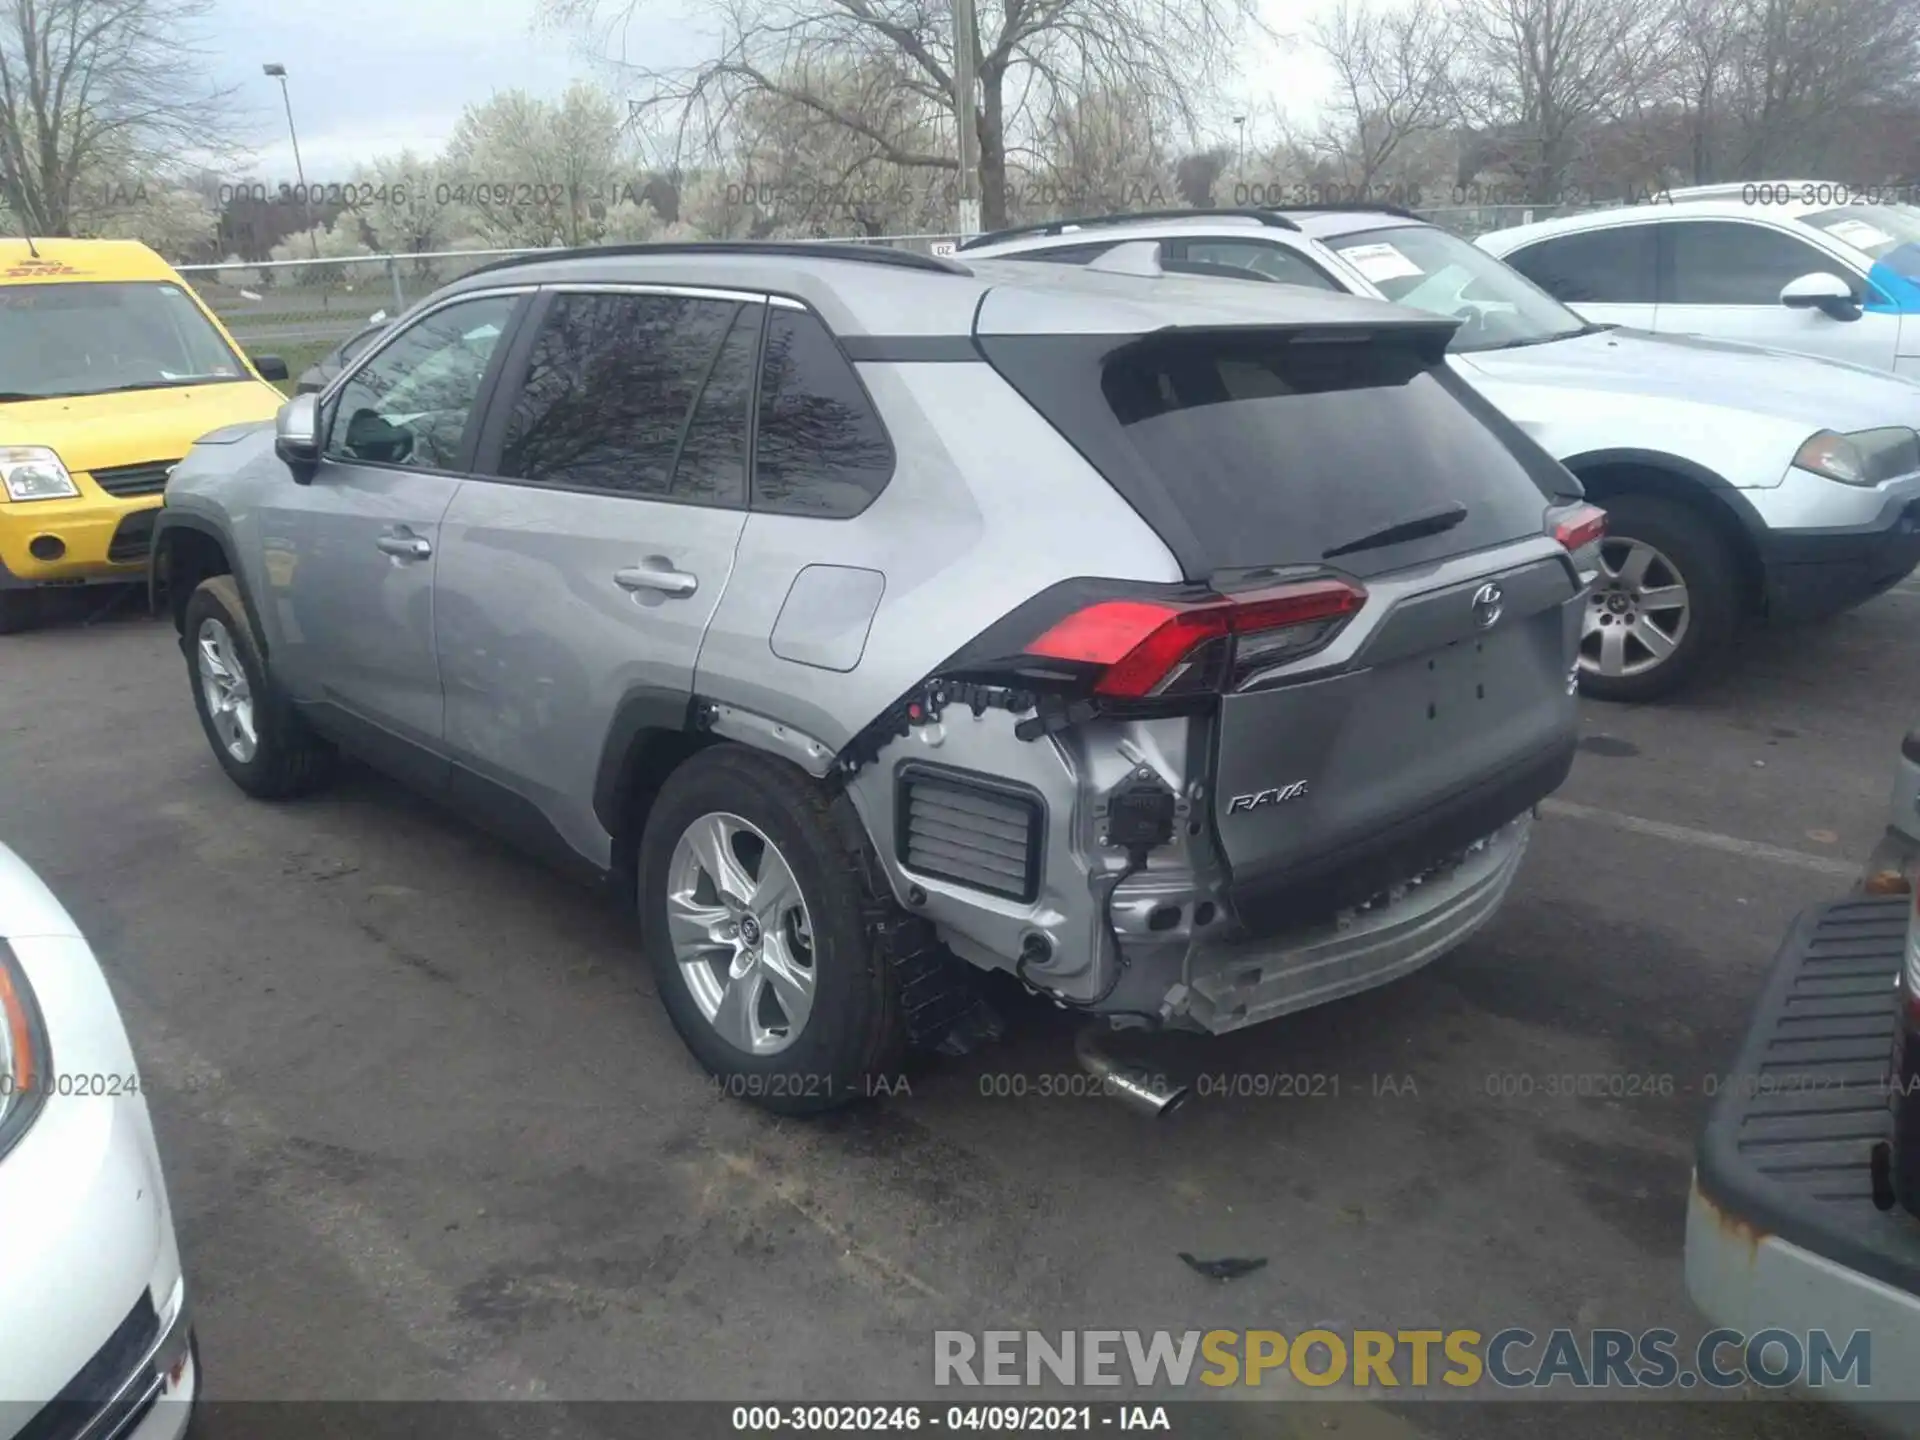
(1738, 410)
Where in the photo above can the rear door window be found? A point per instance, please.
(1614, 266)
(610, 390)
(1256, 450)
(819, 448)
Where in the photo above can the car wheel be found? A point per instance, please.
(265, 748)
(755, 890)
(19, 609)
(1664, 604)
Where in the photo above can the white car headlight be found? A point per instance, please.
(33, 472)
(1866, 457)
(23, 1052)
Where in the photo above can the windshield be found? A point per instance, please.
(92, 338)
(1888, 234)
(1434, 270)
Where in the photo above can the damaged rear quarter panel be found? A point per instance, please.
(988, 505)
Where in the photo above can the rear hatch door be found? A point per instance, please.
(1439, 711)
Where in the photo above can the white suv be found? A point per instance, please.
(1797, 265)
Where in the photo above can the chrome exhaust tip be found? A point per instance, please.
(1132, 1085)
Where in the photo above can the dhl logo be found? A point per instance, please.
(34, 269)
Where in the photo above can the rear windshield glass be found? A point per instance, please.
(1249, 451)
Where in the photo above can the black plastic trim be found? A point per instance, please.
(171, 519)
(1268, 902)
(1827, 1081)
(908, 772)
(910, 349)
(504, 812)
(490, 805)
(1910, 745)
(643, 708)
(415, 765)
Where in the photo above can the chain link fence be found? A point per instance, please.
(301, 309)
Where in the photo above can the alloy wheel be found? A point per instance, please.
(1637, 612)
(741, 934)
(223, 683)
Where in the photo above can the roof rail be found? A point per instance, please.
(1355, 207)
(813, 249)
(1736, 189)
(1084, 222)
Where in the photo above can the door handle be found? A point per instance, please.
(406, 547)
(656, 576)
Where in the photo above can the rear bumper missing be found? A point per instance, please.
(1237, 984)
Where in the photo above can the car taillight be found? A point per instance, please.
(1580, 526)
(1152, 647)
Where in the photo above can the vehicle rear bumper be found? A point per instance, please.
(1783, 1228)
(1750, 1281)
(102, 541)
(1239, 984)
(1811, 574)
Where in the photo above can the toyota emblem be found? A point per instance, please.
(1488, 602)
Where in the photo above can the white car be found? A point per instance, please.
(1792, 264)
(96, 1338)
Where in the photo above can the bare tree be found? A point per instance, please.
(1540, 75)
(1801, 68)
(1032, 59)
(97, 92)
(1392, 74)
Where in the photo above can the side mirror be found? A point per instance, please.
(296, 436)
(271, 367)
(1822, 291)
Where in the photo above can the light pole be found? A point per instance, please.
(1241, 121)
(968, 136)
(279, 72)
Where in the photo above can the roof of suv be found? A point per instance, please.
(864, 295)
(1313, 222)
(1675, 208)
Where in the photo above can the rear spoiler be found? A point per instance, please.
(1424, 338)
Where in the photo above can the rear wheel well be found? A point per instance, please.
(1605, 480)
(651, 756)
(186, 558)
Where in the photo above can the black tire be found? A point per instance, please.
(288, 758)
(1704, 562)
(855, 1033)
(19, 610)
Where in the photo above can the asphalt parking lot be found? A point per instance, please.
(429, 1134)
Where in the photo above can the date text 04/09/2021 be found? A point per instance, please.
(965, 1419)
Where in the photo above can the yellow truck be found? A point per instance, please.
(110, 368)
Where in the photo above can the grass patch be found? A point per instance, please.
(298, 354)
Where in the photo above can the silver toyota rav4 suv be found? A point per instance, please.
(1195, 655)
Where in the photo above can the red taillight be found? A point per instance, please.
(1580, 526)
(1142, 643)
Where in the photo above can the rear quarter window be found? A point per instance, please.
(819, 447)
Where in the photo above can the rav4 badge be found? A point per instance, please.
(1260, 799)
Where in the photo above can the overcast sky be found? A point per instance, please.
(371, 77)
